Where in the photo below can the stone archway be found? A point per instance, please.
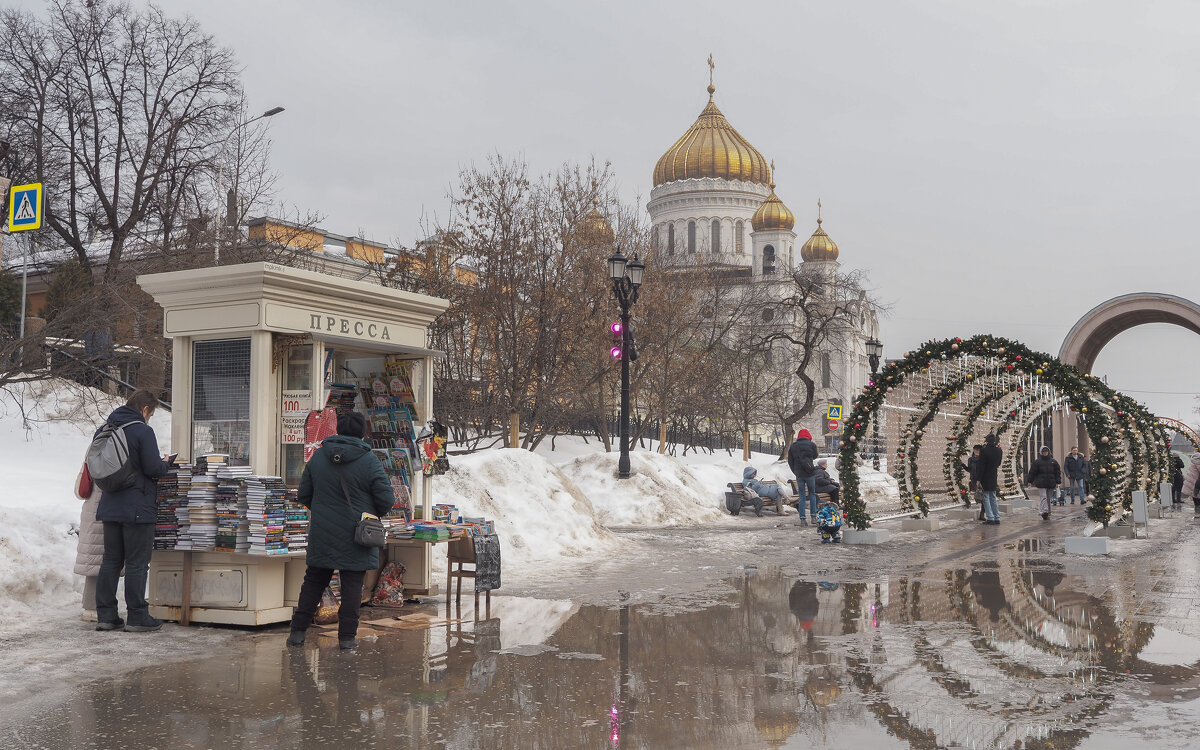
(1105, 321)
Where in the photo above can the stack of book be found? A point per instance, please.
(266, 515)
(341, 397)
(230, 516)
(295, 530)
(434, 532)
(172, 493)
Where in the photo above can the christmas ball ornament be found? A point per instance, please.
(854, 439)
(1000, 350)
(1038, 371)
(954, 347)
(920, 433)
(1103, 471)
(1018, 358)
(1104, 439)
(1083, 409)
(901, 455)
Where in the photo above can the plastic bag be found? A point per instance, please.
(389, 592)
(327, 610)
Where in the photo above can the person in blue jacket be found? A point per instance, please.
(128, 517)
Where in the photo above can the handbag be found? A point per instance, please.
(369, 531)
(83, 490)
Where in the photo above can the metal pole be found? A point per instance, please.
(875, 418)
(623, 463)
(24, 285)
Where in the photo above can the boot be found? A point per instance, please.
(296, 638)
(142, 623)
(110, 624)
(348, 644)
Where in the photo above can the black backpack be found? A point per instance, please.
(108, 459)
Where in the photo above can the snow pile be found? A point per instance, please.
(540, 514)
(662, 491)
(45, 429)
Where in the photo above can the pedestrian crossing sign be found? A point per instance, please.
(25, 207)
(835, 411)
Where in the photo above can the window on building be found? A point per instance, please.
(739, 240)
(716, 235)
(221, 399)
(691, 236)
(768, 260)
(826, 370)
(670, 239)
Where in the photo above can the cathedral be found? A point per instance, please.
(714, 204)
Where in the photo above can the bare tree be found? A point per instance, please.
(117, 110)
(822, 309)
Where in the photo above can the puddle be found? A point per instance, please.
(1004, 653)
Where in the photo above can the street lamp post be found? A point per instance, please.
(874, 352)
(221, 175)
(626, 275)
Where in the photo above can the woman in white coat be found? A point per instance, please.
(1191, 480)
(90, 550)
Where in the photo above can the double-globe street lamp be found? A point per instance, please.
(626, 275)
(874, 352)
(221, 174)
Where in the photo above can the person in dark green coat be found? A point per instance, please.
(332, 521)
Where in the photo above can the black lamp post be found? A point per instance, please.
(626, 275)
(874, 352)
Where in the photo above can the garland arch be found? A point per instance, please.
(1129, 446)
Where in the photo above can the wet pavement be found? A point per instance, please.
(988, 639)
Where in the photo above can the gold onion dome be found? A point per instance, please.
(712, 148)
(819, 246)
(772, 214)
(594, 230)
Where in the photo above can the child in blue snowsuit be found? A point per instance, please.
(765, 491)
(829, 523)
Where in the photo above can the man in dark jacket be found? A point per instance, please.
(1176, 479)
(1075, 467)
(802, 459)
(989, 481)
(128, 518)
(1045, 475)
(334, 517)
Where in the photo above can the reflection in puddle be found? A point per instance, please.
(1006, 654)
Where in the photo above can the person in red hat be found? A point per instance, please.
(802, 459)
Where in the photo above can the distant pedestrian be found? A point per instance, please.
(973, 467)
(802, 459)
(1045, 475)
(129, 516)
(990, 458)
(1075, 467)
(1191, 483)
(762, 490)
(1176, 479)
(342, 481)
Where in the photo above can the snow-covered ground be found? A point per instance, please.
(550, 506)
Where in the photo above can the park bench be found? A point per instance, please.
(735, 498)
(796, 495)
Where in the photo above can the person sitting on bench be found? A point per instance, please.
(768, 491)
(825, 483)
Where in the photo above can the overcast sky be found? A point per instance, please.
(997, 167)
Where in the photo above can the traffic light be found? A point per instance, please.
(618, 340)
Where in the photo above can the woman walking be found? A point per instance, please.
(1045, 475)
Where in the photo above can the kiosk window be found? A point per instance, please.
(221, 399)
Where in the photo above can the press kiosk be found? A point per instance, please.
(255, 347)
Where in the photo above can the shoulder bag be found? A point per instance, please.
(369, 532)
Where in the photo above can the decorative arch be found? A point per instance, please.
(1106, 321)
(1129, 450)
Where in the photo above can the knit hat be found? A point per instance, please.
(1044, 449)
(803, 433)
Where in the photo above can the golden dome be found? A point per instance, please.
(819, 246)
(594, 230)
(712, 148)
(772, 214)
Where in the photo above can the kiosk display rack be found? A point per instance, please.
(255, 348)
